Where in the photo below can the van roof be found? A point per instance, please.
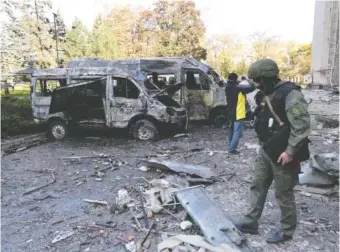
(79, 71)
(153, 64)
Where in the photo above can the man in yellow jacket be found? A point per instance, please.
(236, 108)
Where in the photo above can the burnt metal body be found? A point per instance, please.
(86, 97)
(201, 103)
(211, 219)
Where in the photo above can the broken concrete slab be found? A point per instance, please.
(314, 177)
(201, 171)
(211, 219)
(327, 163)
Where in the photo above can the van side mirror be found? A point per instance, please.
(115, 83)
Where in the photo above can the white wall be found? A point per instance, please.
(324, 38)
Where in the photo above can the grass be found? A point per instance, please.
(16, 113)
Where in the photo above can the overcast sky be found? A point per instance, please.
(289, 19)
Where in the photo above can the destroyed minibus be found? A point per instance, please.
(102, 97)
(203, 92)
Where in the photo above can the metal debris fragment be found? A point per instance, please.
(62, 236)
(211, 219)
(41, 187)
(98, 202)
(197, 170)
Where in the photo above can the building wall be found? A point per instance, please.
(325, 46)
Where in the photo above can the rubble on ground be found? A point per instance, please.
(321, 170)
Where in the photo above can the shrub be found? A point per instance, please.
(16, 116)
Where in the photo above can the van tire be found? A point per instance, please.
(219, 117)
(144, 130)
(57, 130)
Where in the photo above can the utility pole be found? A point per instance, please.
(56, 35)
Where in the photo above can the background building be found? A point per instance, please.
(325, 46)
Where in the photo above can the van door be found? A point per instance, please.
(42, 89)
(87, 101)
(198, 94)
(126, 101)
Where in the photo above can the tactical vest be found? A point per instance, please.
(279, 101)
(266, 134)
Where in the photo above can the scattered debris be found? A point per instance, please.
(185, 225)
(148, 233)
(212, 221)
(181, 135)
(328, 163)
(131, 246)
(144, 168)
(136, 218)
(161, 193)
(62, 236)
(21, 149)
(98, 202)
(321, 191)
(251, 146)
(195, 240)
(105, 225)
(312, 176)
(327, 122)
(199, 180)
(124, 237)
(200, 171)
(87, 157)
(322, 170)
(143, 209)
(57, 222)
(123, 197)
(41, 187)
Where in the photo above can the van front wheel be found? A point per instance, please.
(219, 117)
(57, 130)
(144, 130)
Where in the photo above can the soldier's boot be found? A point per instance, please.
(278, 237)
(247, 228)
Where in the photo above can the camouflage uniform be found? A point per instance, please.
(285, 177)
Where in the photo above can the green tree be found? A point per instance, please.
(180, 29)
(77, 41)
(103, 43)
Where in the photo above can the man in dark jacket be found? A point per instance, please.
(236, 108)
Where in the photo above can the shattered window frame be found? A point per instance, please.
(126, 81)
(86, 82)
(167, 76)
(201, 76)
(43, 85)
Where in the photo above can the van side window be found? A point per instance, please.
(96, 88)
(125, 88)
(197, 80)
(46, 87)
(192, 80)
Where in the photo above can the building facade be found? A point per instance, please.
(325, 45)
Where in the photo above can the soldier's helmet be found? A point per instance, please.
(263, 68)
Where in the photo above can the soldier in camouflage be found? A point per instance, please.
(289, 104)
